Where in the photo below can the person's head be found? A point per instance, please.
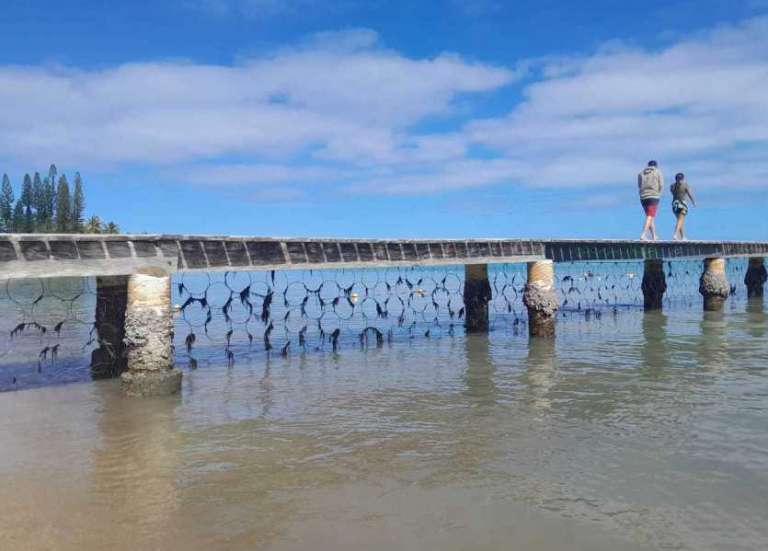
(653, 163)
(679, 177)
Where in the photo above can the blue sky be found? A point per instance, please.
(351, 118)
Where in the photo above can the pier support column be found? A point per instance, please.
(108, 360)
(713, 285)
(477, 295)
(540, 297)
(756, 278)
(654, 284)
(148, 329)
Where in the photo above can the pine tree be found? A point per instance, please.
(78, 205)
(63, 206)
(6, 204)
(52, 174)
(45, 206)
(18, 217)
(27, 200)
(49, 189)
(38, 202)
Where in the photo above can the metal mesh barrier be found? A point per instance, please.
(47, 330)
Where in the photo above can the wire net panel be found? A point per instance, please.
(292, 310)
(47, 329)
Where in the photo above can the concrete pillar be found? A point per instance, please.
(148, 327)
(654, 284)
(540, 297)
(713, 285)
(477, 295)
(109, 360)
(756, 277)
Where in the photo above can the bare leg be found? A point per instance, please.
(679, 227)
(646, 227)
(654, 236)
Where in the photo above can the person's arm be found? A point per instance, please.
(690, 194)
(661, 182)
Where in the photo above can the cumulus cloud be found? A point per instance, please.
(341, 111)
(339, 95)
(698, 101)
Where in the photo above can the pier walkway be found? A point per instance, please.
(133, 279)
(23, 256)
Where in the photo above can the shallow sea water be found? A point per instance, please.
(631, 431)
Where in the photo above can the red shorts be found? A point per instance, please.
(650, 206)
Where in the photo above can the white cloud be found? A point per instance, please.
(341, 112)
(700, 98)
(238, 174)
(339, 95)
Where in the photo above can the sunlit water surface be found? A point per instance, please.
(631, 431)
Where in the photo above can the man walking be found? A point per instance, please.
(650, 183)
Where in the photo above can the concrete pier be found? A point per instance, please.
(477, 295)
(540, 297)
(713, 285)
(756, 277)
(654, 284)
(148, 330)
(109, 359)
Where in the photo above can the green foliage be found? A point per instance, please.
(52, 174)
(93, 225)
(78, 205)
(6, 205)
(49, 202)
(18, 217)
(38, 202)
(63, 206)
(27, 200)
(45, 206)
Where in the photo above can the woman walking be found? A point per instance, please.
(650, 183)
(681, 191)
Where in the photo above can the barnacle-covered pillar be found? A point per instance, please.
(148, 330)
(108, 360)
(756, 277)
(713, 285)
(654, 284)
(477, 295)
(540, 297)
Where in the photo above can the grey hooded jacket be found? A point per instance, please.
(650, 183)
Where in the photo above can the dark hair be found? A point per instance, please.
(652, 163)
(679, 177)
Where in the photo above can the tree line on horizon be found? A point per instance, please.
(48, 205)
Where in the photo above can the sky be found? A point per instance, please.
(452, 118)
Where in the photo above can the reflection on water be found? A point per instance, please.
(631, 431)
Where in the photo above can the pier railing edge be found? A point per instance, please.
(52, 255)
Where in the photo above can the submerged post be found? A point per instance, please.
(148, 333)
(654, 284)
(477, 295)
(540, 297)
(756, 277)
(108, 360)
(713, 285)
